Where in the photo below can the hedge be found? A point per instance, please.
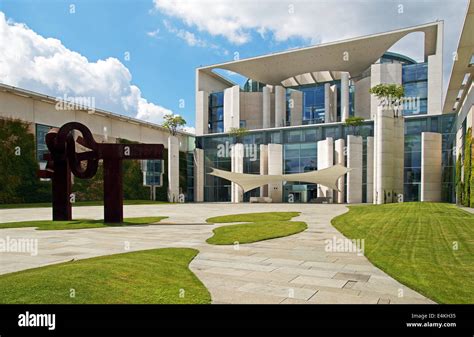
(18, 167)
(467, 168)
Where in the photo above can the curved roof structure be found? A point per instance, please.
(275, 68)
(327, 177)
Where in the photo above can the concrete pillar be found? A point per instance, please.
(344, 96)
(398, 157)
(431, 168)
(327, 103)
(275, 166)
(383, 160)
(296, 107)
(383, 73)
(198, 175)
(334, 103)
(173, 169)
(264, 168)
(237, 165)
(266, 107)
(388, 156)
(202, 113)
(231, 108)
(339, 158)
(325, 160)
(435, 75)
(280, 106)
(370, 170)
(354, 162)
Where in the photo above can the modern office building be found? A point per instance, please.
(43, 112)
(295, 105)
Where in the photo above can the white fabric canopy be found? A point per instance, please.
(327, 177)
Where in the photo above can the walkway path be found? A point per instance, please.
(294, 269)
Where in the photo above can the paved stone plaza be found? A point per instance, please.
(294, 269)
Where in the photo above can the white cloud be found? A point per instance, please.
(191, 39)
(31, 61)
(154, 33)
(318, 21)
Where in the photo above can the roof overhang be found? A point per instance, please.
(461, 73)
(352, 55)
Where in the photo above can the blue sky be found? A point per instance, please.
(167, 40)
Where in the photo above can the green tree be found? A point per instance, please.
(173, 123)
(355, 123)
(238, 134)
(388, 94)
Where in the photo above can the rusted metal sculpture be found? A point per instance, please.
(63, 159)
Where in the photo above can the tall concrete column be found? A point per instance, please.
(231, 108)
(198, 175)
(173, 169)
(354, 162)
(325, 160)
(280, 106)
(202, 113)
(435, 75)
(327, 103)
(339, 158)
(344, 96)
(296, 107)
(334, 103)
(275, 166)
(370, 170)
(431, 168)
(237, 165)
(264, 168)
(398, 157)
(266, 107)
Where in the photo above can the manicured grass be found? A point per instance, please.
(81, 223)
(258, 227)
(81, 203)
(152, 276)
(415, 243)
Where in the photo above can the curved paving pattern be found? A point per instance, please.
(294, 269)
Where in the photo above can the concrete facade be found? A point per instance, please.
(173, 169)
(198, 175)
(280, 106)
(431, 168)
(340, 158)
(231, 108)
(237, 163)
(325, 160)
(354, 162)
(370, 170)
(275, 160)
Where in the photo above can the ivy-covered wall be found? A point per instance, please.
(464, 186)
(18, 167)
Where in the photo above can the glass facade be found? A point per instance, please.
(414, 126)
(216, 112)
(299, 155)
(415, 83)
(41, 148)
(152, 172)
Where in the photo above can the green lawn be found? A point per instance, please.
(82, 203)
(151, 276)
(257, 227)
(81, 223)
(415, 243)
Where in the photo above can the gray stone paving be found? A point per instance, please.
(290, 270)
